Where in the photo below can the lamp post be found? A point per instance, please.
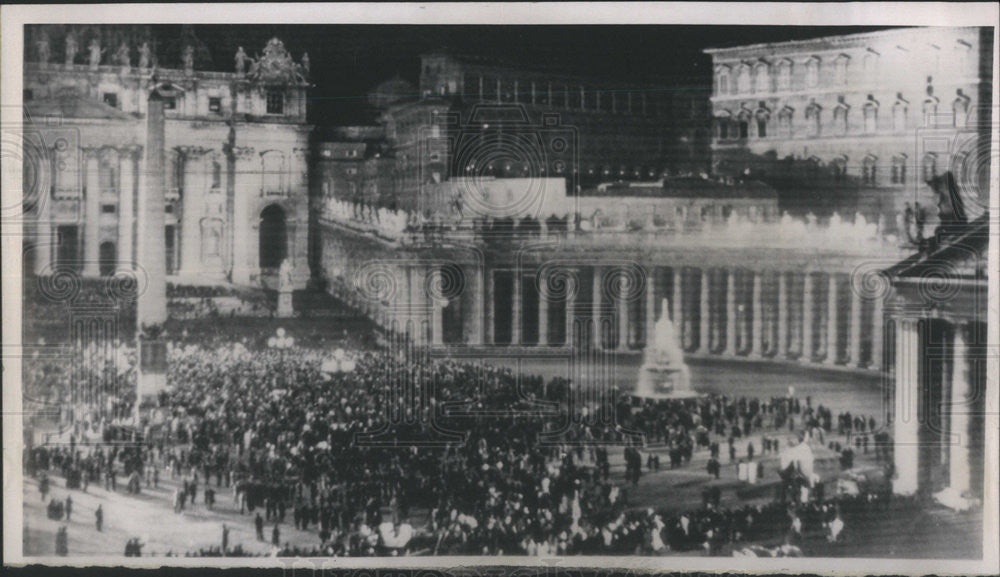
(281, 342)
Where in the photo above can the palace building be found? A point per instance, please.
(237, 168)
(853, 123)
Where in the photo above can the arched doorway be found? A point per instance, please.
(273, 237)
(108, 258)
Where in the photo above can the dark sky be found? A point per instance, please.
(348, 60)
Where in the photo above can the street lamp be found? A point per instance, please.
(281, 342)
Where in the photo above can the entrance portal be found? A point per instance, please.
(273, 237)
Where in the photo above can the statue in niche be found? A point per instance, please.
(145, 55)
(188, 57)
(285, 282)
(241, 61)
(122, 56)
(95, 53)
(305, 64)
(43, 48)
(71, 48)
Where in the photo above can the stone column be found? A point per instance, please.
(488, 307)
(126, 207)
(623, 306)
(571, 308)
(194, 184)
(906, 425)
(807, 318)
(516, 312)
(151, 308)
(704, 338)
(543, 311)
(854, 344)
(437, 321)
(731, 312)
(677, 304)
(757, 310)
(476, 299)
(781, 347)
(832, 305)
(92, 216)
(651, 306)
(878, 330)
(595, 336)
(962, 394)
(246, 188)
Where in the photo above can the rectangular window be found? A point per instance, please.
(111, 99)
(215, 104)
(108, 208)
(275, 102)
(170, 103)
(27, 95)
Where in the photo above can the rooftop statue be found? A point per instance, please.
(241, 61)
(43, 48)
(145, 56)
(95, 53)
(276, 66)
(71, 48)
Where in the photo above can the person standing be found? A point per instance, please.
(69, 507)
(62, 542)
(225, 538)
(99, 518)
(259, 525)
(275, 535)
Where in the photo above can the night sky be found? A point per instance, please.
(349, 60)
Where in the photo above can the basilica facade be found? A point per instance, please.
(236, 174)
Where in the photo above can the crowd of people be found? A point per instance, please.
(355, 455)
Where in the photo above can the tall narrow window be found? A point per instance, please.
(960, 110)
(871, 117)
(813, 113)
(870, 66)
(930, 112)
(899, 116)
(868, 170)
(275, 102)
(840, 69)
(839, 167)
(743, 121)
(930, 166)
(899, 169)
(763, 116)
(216, 174)
(812, 72)
(785, 75)
(785, 122)
(840, 119)
(743, 80)
(763, 79)
(723, 81)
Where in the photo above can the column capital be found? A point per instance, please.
(243, 152)
(130, 151)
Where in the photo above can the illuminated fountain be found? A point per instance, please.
(663, 374)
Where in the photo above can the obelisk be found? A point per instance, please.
(151, 256)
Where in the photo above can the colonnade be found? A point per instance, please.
(790, 315)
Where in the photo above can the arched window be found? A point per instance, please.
(785, 122)
(785, 75)
(930, 111)
(812, 72)
(723, 81)
(743, 124)
(812, 168)
(960, 110)
(930, 166)
(840, 69)
(840, 119)
(871, 117)
(870, 66)
(813, 113)
(722, 125)
(763, 78)
(762, 117)
(899, 169)
(899, 116)
(869, 170)
(743, 79)
(839, 167)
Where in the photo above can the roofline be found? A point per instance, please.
(841, 37)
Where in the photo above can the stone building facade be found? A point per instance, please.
(237, 167)
(857, 122)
